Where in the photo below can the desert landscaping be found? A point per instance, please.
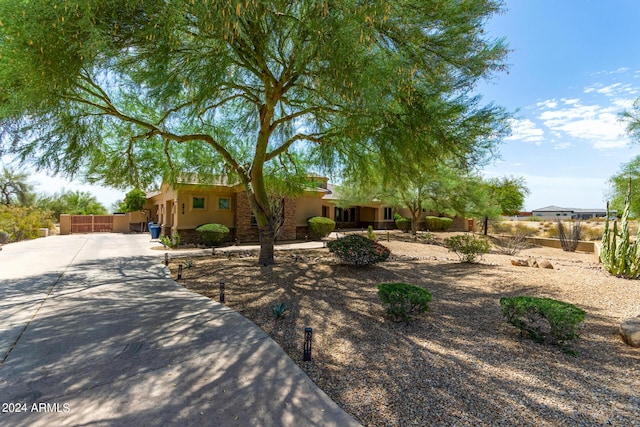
(460, 363)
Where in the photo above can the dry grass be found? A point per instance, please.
(460, 363)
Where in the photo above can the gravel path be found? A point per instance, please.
(460, 363)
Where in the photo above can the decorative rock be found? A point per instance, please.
(543, 263)
(520, 262)
(533, 263)
(630, 331)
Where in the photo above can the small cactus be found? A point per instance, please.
(279, 310)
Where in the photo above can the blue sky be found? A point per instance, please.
(574, 66)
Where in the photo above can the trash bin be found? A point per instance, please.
(155, 231)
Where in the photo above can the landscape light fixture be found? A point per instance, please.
(306, 353)
(222, 292)
(166, 258)
(179, 271)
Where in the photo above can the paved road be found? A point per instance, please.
(93, 331)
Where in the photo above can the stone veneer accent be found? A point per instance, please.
(245, 232)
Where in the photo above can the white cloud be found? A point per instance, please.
(562, 146)
(526, 130)
(550, 103)
(611, 90)
(598, 125)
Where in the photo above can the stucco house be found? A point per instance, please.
(188, 204)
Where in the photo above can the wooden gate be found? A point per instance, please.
(91, 223)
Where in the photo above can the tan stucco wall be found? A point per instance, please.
(188, 218)
(306, 207)
(65, 224)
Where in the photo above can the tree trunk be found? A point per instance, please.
(267, 239)
(486, 225)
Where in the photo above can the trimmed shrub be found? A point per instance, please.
(468, 247)
(212, 234)
(435, 223)
(370, 234)
(320, 227)
(545, 320)
(403, 300)
(357, 250)
(4, 237)
(403, 224)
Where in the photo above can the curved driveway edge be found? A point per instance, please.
(93, 331)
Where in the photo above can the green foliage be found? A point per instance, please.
(4, 237)
(358, 250)
(434, 223)
(212, 234)
(508, 193)
(320, 227)
(403, 300)
(403, 224)
(124, 92)
(134, 200)
(545, 320)
(171, 242)
(72, 203)
(189, 263)
(619, 255)
(279, 311)
(468, 247)
(370, 234)
(22, 223)
(619, 183)
(14, 187)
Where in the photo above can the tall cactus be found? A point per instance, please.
(619, 255)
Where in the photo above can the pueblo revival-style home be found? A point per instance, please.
(187, 205)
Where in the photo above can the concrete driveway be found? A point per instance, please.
(93, 331)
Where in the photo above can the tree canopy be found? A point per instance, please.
(619, 187)
(131, 91)
(15, 188)
(71, 202)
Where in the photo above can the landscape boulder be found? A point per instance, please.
(543, 263)
(630, 331)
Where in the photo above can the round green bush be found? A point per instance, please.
(403, 299)
(212, 234)
(434, 223)
(320, 227)
(357, 250)
(4, 237)
(403, 224)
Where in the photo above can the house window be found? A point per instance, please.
(224, 203)
(254, 222)
(338, 215)
(388, 214)
(198, 203)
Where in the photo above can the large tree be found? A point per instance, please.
(71, 202)
(439, 186)
(15, 188)
(125, 91)
(619, 187)
(505, 196)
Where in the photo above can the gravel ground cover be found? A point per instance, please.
(460, 364)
